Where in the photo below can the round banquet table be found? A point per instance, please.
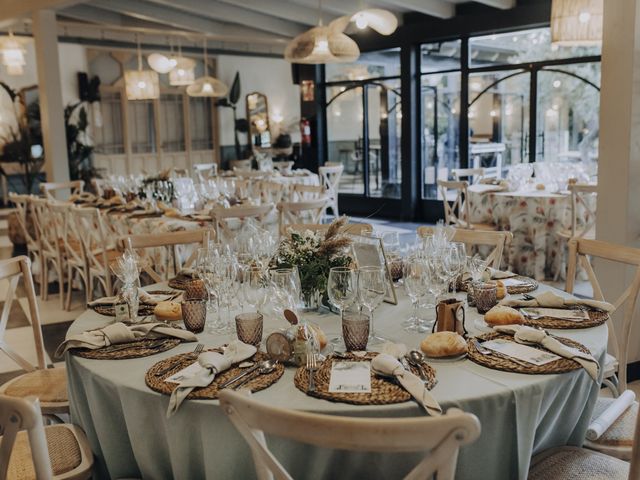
(130, 435)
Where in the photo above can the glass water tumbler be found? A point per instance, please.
(355, 330)
(249, 328)
(194, 315)
(486, 296)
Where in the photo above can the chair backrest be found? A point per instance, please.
(220, 215)
(350, 228)
(11, 270)
(49, 189)
(18, 414)
(476, 174)
(456, 213)
(24, 216)
(580, 249)
(583, 209)
(439, 438)
(300, 212)
(301, 192)
(203, 171)
(330, 178)
(272, 192)
(45, 228)
(66, 230)
(168, 244)
(499, 240)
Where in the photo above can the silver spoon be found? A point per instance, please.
(417, 359)
(267, 366)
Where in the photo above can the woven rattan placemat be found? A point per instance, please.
(528, 285)
(144, 309)
(498, 362)
(157, 383)
(180, 281)
(383, 390)
(137, 349)
(596, 318)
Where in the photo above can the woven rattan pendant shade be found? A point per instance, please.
(184, 73)
(382, 21)
(207, 87)
(322, 44)
(576, 22)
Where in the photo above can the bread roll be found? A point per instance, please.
(501, 290)
(443, 344)
(168, 311)
(320, 336)
(501, 315)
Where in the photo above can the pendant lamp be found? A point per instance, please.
(141, 84)
(184, 71)
(576, 22)
(382, 21)
(207, 86)
(161, 63)
(12, 55)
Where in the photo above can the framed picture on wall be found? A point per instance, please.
(369, 252)
(308, 90)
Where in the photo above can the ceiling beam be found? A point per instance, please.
(234, 14)
(287, 10)
(87, 13)
(178, 19)
(339, 7)
(501, 4)
(17, 8)
(435, 8)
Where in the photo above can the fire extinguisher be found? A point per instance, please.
(305, 131)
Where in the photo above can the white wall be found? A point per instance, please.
(271, 76)
(72, 60)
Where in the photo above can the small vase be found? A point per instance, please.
(311, 300)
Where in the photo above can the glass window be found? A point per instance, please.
(172, 122)
(142, 126)
(440, 56)
(200, 118)
(109, 138)
(440, 128)
(382, 63)
(521, 47)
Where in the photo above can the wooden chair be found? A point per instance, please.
(349, 228)
(30, 450)
(169, 242)
(583, 214)
(221, 215)
(50, 248)
(300, 212)
(474, 175)
(24, 212)
(204, 171)
(615, 367)
(330, 175)
(440, 438)
(272, 192)
(300, 193)
(49, 189)
(499, 240)
(458, 212)
(47, 384)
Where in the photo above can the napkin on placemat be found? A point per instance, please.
(533, 336)
(212, 364)
(499, 274)
(610, 415)
(143, 296)
(188, 273)
(120, 333)
(551, 300)
(388, 366)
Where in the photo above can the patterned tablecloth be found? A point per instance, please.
(534, 218)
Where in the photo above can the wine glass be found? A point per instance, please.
(455, 259)
(341, 288)
(391, 242)
(416, 277)
(256, 288)
(286, 288)
(372, 287)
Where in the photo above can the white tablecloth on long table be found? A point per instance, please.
(126, 425)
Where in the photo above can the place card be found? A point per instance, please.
(513, 282)
(521, 352)
(185, 374)
(350, 377)
(559, 313)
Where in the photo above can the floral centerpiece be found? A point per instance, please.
(314, 254)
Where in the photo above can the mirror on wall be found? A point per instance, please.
(258, 117)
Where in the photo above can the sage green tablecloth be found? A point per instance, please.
(131, 437)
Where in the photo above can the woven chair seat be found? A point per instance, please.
(64, 452)
(573, 463)
(49, 385)
(618, 439)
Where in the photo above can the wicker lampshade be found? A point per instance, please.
(382, 21)
(576, 22)
(183, 73)
(207, 87)
(322, 44)
(161, 63)
(12, 55)
(142, 84)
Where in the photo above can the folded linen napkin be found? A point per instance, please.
(499, 274)
(143, 296)
(551, 300)
(610, 415)
(120, 333)
(212, 363)
(396, 350)
(188, 272)
(388, 366)
(533, 336)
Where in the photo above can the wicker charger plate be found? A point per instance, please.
(384, 391)
(180, 281)
(178, 362)
(596, 318)
(137, 349)
(498, 362)
(529, 285)
(144, 309)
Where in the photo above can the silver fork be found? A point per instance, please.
(485, 351)
(192, 356)
(312, 364)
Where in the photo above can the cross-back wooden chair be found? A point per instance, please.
(472, 175)
(204, 171)
(49, 189)
(98, 249)
(51, 251)
(500, 241)
(349, 228)
(458, 212)
(170, 244)
(221, 217)
(30, 450)
(98, 186)
(309, 211)
(24, 215)
(244, 188)
(300, 192)
(440, 438)
(272, 192)
(47, 384)
(330, 174)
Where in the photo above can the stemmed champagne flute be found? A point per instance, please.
(372, 287)
(341, 288)
(416, 277)
(455, 259)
